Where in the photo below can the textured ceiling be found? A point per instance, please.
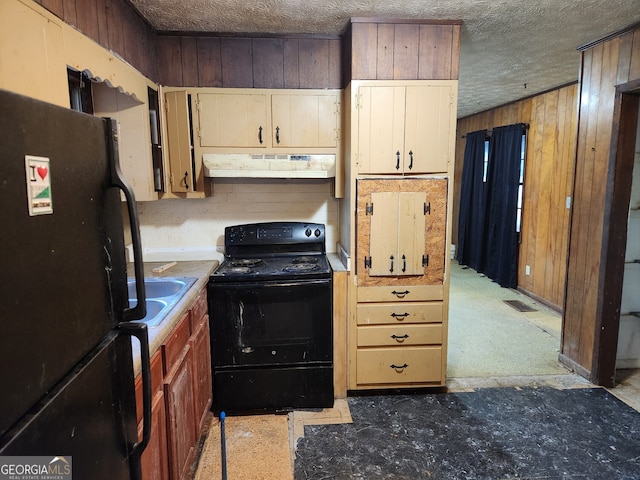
(509, 49)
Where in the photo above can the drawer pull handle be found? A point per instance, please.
(391, 267)
(400, 338)
(400, 294)
(400, 316)
(398, 368)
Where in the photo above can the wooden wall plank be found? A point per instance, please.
(634, 68)
(455, 52)
(115, 13)
(87, 19)
(209, 62)
(54, 6)
(624, 59)
(268, 63)
(69, 12)
(314, 63)
(103, 24)
(405, 52)
(364, 51)
(335, 64)
(169, 55)
(291, 67)
(189, 61)
(237, 62)
(384, 58)
(435, 52)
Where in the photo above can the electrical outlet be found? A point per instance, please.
(527, 269)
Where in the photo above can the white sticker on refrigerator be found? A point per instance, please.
(38, 185)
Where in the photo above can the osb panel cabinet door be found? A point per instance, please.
(411, 217)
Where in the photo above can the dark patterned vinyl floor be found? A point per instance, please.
(493, 433)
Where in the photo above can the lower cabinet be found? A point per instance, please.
(181, 386)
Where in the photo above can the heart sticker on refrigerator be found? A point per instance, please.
(42, 172)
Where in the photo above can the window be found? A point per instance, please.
(80, 92)
(523, 150)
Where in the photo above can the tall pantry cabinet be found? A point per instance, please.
(402, 141)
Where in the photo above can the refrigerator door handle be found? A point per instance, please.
(117, 179)
(139, 330)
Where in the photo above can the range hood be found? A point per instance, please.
(221, 165)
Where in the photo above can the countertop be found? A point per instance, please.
(200, 270)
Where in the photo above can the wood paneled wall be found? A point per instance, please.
(594, 276)
(243, 62)
(382, 49)
(548, 175)
(113, 24)
(199, 61)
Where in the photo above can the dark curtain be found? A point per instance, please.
(500, 260)
(472, 209)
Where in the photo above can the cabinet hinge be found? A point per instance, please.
(368, 209)
(367, 262)
(427, 208)
(425, 260)
(358, 101)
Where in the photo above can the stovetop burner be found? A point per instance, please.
(301, 267)
(305, 259)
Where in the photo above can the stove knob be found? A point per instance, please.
(317, 232)
(307, 232)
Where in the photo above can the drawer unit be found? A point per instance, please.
(399, 313)
(399, 335)
(402, 365)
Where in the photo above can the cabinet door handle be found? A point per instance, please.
(411, 158)
(400, 294)
(260, 134)
(184, 180)
(404, 264)
(278, 135)
(400, 338)
(400, 316)
(391, 268)
(398, 368)
(398, 160)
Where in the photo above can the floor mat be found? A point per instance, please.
(519, 306)
(493, 433)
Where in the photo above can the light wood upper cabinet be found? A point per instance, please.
(233, 120)
(265, 119)
(406, 129)
(307, 120)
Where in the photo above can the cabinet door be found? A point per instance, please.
(179, 141)
(181, 421)
(232, 120)
(304, 120)
(154, 461)
(380, 129)
(202, 371)
(427, 128)
(401, 217)
(397, 233)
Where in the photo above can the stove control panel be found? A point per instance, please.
(274, 233)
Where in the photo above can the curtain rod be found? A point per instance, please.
(525, 125)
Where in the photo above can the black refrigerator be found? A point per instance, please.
(66, 370)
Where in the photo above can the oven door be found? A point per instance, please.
(271, 323)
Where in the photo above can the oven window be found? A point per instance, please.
(271, 324)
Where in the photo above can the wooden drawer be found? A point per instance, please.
(399, 335)
(413, 293)
(175, 343)
(198, 310)
(399, 365)
(399, 313)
